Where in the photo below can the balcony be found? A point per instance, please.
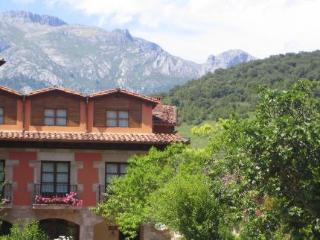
(56, 196)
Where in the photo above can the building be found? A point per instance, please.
(55, 141)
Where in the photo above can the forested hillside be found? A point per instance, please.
(235, 90)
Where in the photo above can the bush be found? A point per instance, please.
(30, 231)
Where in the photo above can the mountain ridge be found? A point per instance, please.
(35, 18)
(235, 90)
(43, 50)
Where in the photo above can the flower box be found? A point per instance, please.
(70, 199)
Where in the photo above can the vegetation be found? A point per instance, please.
(196, 140)
(235, 90)
(257, 178)
(30, 231)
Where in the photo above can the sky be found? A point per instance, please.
(195, 29)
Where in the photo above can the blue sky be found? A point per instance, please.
(194, 29)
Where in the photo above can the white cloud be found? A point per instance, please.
(23, 2)
(193, 29)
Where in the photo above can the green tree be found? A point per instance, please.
(188, 204)
(169, 188)
(30, 231)
(277, 157)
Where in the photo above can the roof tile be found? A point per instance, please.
(140, 138)
(164, 115)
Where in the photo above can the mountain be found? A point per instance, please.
(44, 50)
(225, 60)
(235, 90)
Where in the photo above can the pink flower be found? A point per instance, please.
(69, 198)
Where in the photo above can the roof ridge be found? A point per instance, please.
(54, 88)
(10, 90)
(124, 91)
(97, 94)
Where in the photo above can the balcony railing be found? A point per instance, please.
(6, 193)
(53, 190)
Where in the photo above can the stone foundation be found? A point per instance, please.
(92, 227)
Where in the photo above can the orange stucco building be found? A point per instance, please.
(54, 142)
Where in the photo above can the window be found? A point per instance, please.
(55, 117)
(55, 178)
(117, 118)
(1, 115)
(114, 170)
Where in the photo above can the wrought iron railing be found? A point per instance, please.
(53, 189)
(6, 192)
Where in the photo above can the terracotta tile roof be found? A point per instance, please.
(50, 89)
(75, 137)
(9, 90)
(164, 115)
(126, 92)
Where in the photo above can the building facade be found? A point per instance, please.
(59, 150)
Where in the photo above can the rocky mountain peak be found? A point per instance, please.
(234, 56)
(123, 35)
(226, 59)
(33, 18)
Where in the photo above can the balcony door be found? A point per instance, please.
(55, 178)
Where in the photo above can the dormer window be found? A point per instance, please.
(117, 118)
(55, 117)
(1, 115)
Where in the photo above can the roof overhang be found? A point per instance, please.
(82, 137)
(54, 89)
(152, 100)
(10, 91)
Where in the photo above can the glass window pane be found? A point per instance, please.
(1, 111)
(49, 113)
(47, 188)
(62, 178)
(123, 168)
(61, 121)
(47, 177)
(1, 165)
(62, 188)
(123, 123)
(112, 168)
(63, 167)
(123, 114)
(111, 123)
(61, 113)
(49, 121)
(111, 114)
(1, 120)
(47, 167)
